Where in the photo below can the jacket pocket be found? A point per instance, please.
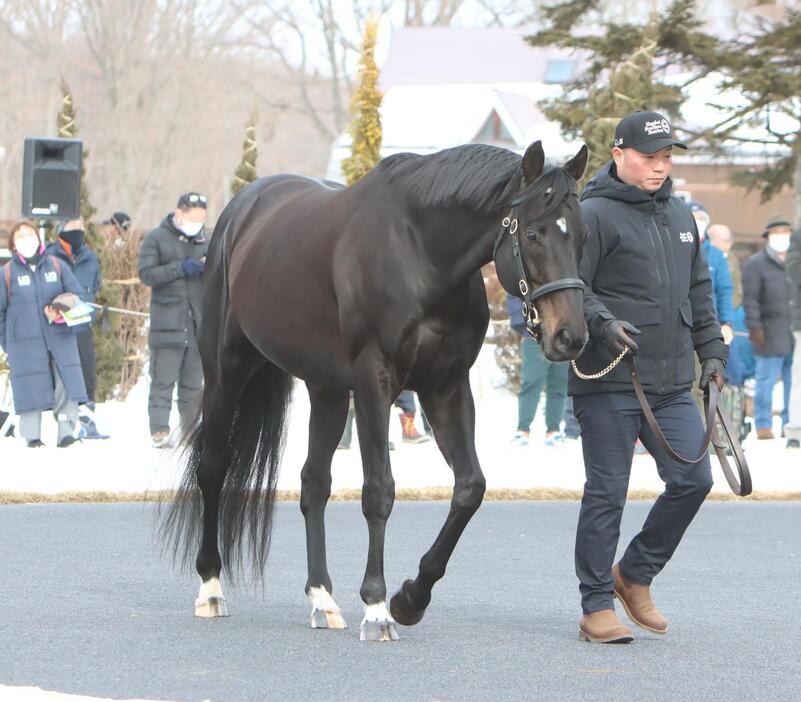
(167, 315)
(647, 317)
(685, 352)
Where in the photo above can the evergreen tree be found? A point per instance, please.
(110, 357)
(365, 105)
(761, 65)
(246, 170)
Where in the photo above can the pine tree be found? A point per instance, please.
(109, 354)
(761, 65)
(365, 105)
(619, 79)
(246, 170)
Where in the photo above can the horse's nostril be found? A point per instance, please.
(561, 340)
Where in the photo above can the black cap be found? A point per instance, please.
(647, 132)
(190, 200)
(122, 220)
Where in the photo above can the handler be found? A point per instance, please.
(646, 279)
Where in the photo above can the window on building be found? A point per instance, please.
(494, 130)
(558, 70)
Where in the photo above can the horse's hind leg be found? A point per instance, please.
(326, 422)
(451, 414)
(221, 396)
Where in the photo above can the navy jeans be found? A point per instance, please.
(610, 425)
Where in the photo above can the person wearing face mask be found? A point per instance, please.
(42, 356)
(766, 298)
(71, 248)
(171, 262)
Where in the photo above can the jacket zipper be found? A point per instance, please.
(664, 279)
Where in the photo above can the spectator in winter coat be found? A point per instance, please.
(42, 356)
(71, 248)
(171, 262)
(793, 269)
(722, 287)
(766, 298)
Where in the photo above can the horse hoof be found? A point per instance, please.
(211, 607)
(377, 624)
(402, 614)
(378, 631)
(327, 619)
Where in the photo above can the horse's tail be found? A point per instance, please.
(256, 432)
(247, 498)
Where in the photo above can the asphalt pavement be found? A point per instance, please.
(92, 608)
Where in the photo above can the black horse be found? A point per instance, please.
(372, 288)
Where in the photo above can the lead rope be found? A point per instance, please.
(601, 373)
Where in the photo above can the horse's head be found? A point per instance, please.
(537, 255)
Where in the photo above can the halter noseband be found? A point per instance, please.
(530, 313)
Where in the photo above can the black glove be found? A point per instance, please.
(192, 268)
(617, 336)
(712, 367)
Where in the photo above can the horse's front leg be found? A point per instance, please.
(327, 419)
(373, 396)
(451, 413)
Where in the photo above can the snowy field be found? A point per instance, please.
(127, 463)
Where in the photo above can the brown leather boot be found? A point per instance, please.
(764, 434)
(410, 433)
(604, 627)
(636, 600)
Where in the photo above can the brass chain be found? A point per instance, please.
(602, 373)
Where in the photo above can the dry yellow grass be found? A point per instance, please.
(422, 495)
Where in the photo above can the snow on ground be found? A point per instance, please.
(127, 463)
(35, 694)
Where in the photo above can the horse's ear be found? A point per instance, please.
(533, 162)
(576, 165)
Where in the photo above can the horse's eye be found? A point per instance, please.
(531, 234)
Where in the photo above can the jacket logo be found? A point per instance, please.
(51, 277)
(23, 280)
(686, 237)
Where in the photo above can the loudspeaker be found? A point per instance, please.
(51, 178)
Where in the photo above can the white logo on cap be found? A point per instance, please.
(657, 126)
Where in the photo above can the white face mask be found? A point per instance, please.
(27, 246)
(779, 242)
(191, 229)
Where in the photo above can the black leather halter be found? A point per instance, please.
(530, 313)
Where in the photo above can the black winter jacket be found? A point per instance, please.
(766, 299)
(642, 263)
(175, 301)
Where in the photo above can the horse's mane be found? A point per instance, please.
(475, 175)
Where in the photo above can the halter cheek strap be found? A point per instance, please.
(530, 314)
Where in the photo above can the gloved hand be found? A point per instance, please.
(712, 368)
(757, 337)
(618, 335)
(192, 268)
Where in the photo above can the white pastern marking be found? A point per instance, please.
(377, 613)
(320, 598)
(210, 588)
